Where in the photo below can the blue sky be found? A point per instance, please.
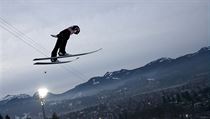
(131, 33)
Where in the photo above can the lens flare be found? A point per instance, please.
(42, 92)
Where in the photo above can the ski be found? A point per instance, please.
(59, 62)
(72, 55)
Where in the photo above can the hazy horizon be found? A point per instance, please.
(131, 33)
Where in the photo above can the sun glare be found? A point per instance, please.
(42, 92)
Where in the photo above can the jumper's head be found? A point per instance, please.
(75, 29)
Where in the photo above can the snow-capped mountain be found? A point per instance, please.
(204, 49)
(161, 60)
(12, 97)
(153, 71)
(158, 74)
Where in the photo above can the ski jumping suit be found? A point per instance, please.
(63, 37)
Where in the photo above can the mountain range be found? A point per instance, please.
(160, 74)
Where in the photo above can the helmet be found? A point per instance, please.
(76, 29)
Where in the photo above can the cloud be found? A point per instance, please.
(130, 33)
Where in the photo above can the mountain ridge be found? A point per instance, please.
(161, 74)
(114, 76)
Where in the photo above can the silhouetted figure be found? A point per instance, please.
(63, 37)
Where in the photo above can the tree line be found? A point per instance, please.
(54, 116)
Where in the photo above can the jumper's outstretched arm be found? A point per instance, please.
(55, 36)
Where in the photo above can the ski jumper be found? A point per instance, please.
(61, 42)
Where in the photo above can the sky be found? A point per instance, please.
(131, 33)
